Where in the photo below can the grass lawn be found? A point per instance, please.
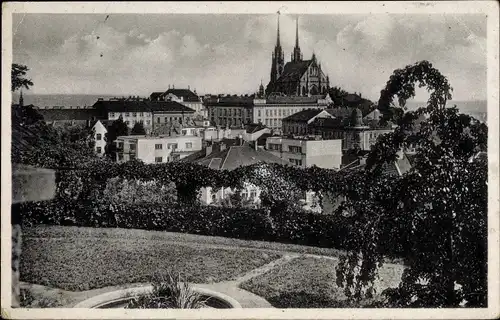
(308, 282)
(78, 259)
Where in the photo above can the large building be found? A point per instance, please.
(237, 111)
(183, 96)
(298, 123)
(354, 131)
(156, 149)
(298, 77)
(307, 151)
(150, 113)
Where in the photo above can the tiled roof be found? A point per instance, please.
(156, 95)
(141, 106)
(254, 127)
(168, 106)
(69, 114)
(186, 94)
(231, 101)
(292, 99)
(393, 168)
(238, 156)
(293, 71)
(303, 116)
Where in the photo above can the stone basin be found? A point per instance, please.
(120, 298)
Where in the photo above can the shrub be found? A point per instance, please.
(169, 292)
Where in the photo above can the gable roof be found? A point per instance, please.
(140, 106)
(254, 127)
(186, 94)
(69, 114)
(156, 95)
(304, 115)
(293, 71)
(238, 156)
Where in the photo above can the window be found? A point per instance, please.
(258, 113)
(111, 114)
(158, 146)
(127, 114)
(184, 132)
(267, 113)
(120, 156)
(253, 194)
(141, 114)
(189, 145)
(158, 120)
(172, 146)
(134, 114)
(99, 150)
(132, 147)
(158, 159)
(98, 137)
(295, 149)
(244, 195)
(127, 122)
(296, 161)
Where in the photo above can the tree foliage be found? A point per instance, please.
(439, 207)
(38, 144)
(117, 128)
(18, 77)
(138, 129)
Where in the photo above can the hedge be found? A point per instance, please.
(294, 227)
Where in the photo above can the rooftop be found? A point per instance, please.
(141, 106)
(238, 156)
(304, 115)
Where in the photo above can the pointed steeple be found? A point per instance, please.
(297, 55)
(297, 32)
(278, 33)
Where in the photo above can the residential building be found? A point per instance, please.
(149, 113)
(222, 157)
(235, 112)
(298, 77)
(298, 123)
(183, 96)
(99, 134)
(307, 151)
(59, 116)
(355, 132)
(156, 149)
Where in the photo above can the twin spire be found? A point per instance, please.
(296, 55)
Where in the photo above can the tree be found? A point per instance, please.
(138, 129)
(117, 128)
(438, 211)
(18, 78)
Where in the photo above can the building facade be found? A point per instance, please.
(183, 96)
(235, 112)
(298, 123)
(160, 149)
(150, 113)
(354, 132)
(99, 134)
(307, 152)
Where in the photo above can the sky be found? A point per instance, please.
(136, 54)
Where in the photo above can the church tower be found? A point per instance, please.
(278, 62)
(296, 55)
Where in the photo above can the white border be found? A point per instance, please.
(491, 8)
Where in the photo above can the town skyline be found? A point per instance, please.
(231, 54)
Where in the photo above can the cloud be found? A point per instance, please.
(232, 55)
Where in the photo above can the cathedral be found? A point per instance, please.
(298, 77)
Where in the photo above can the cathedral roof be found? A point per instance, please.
(293, 71)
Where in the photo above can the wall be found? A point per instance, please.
(101, 143)
(324, 153)
(147, 152)
(160, 118)
(130, 118)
